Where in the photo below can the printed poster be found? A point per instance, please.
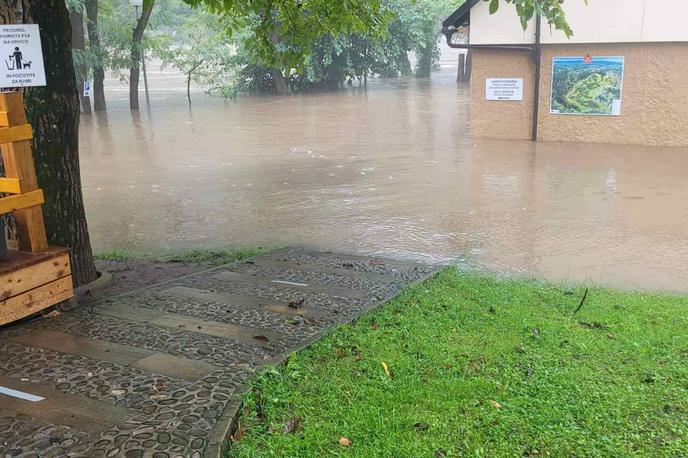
(587, 85)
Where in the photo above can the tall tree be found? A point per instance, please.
(99, 103)
(137, 52)
(285, 32)
(53, 111)
(76, 20)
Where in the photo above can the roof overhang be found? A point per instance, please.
(461, 16)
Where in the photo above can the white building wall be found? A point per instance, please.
(665, 20)
(600, 21)
(500, 28)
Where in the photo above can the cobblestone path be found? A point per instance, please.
(157, 372)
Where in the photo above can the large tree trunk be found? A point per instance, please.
(279, 81)
(424, 64)
(134, 69)
(76, 19)
(53, 111)
(98, 67)
(404, 64)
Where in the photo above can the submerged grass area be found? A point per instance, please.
(214, 257)
(478, 366)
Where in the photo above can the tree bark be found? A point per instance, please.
(188, 87)
(404, 64)
(53, 111)
(99, 103)
(279, 81)
(134, 69)
(76, 20)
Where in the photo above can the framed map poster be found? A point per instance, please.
(587, 85)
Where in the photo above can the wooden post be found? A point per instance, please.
(461, 75)
(469, 65)
(18, 161)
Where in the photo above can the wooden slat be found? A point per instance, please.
(4, 119)
(35, 300)
(17, 260)
(21, 201)
(18, 162)
(10, 185)
(13, 104)
(20, 133)
(23, 280)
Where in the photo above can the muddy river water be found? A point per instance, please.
(389, 171)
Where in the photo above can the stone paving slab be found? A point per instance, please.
(158, 372)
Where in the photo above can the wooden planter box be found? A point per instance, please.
(35, 276)
(31, 282)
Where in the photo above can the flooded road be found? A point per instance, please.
(389, 171)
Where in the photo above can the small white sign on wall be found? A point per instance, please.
(508, 89)
(87, 89)
(21, 56)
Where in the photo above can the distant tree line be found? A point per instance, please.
(256, 51)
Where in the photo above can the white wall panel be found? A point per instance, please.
(600, 21)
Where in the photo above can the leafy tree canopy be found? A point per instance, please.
(285, 31)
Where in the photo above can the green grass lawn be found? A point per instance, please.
(484, 367)
(211, 257)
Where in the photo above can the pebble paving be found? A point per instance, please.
(291, 295)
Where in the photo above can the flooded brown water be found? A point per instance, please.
(389, 171)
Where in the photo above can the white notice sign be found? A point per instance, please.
(21, 56)
(504, 89)
(87, 89)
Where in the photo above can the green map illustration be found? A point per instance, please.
(587, 86)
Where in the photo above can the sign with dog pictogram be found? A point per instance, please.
(21, 55)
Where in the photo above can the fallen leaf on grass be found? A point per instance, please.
(346, 442)
(495, 404)
(421, 426)
(386, 369)
(291, 425)
(341, 353)
(594, 325)
(239, 433)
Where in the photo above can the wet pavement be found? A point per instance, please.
(389, 171)
(156, 372)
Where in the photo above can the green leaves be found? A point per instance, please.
(286, 31)
(550, 10)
